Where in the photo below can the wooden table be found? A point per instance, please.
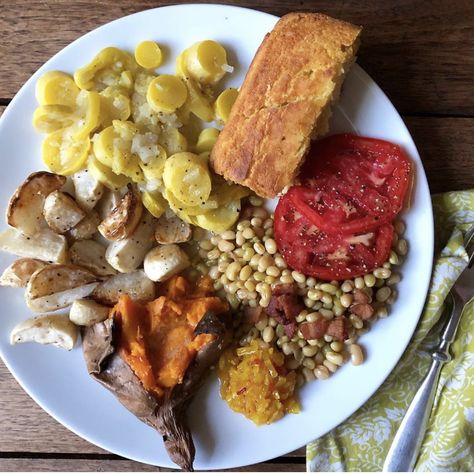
(420, 52)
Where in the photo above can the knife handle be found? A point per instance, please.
(407, 442)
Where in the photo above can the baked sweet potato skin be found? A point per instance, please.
(166, 414)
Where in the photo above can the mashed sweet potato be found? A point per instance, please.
(157, 340)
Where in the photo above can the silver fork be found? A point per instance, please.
(406, 445)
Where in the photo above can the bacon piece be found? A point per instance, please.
(360, 296)
(363, 310)
(290, 329)
(291, 306)
(284, 306)
(252, 315)
(337, 329)
(314, 330)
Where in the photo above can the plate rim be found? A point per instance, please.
(421, 176)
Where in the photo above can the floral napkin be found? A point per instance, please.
(362, 442)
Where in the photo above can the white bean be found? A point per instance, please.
(334, 357)
(268, 334)
(248, 233)
(315, 295)
(213, 254)
(273, 271)
(214, 272)
(225, 246)
(328, 288)
(228, 235)
(321, 372)
(312, 317)
(298, 277)
(402, 247)
(346, 300)
(309, 351)
(308, 374)
(232, 271)
(243, 225)
(206, 245)
(357, 356)
(280, 262)
(370, 280)
(382, 273)
(383, 294)
(330, 366)
(259, 248)
(270, 246)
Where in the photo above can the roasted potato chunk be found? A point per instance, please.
(172, 230)
(61, 212)
(165, 261)
(88, 190)
(57, 286)
(108, 202)
(91, 255)
(87, 228)
(25, 209)
(124, 218)
(136, 284)
(127, 255)
(87, 312)
(53, 329)
(46, 245)
(18, 274)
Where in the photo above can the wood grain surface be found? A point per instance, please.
(420, 52)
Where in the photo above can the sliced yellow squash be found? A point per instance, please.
(63, 154)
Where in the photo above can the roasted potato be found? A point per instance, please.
(168, 414)
(91, 255)
(172, 230)
(57, 286)
(61, 212)
(87, 228)
(109, 201)
(46, 245)
(165, 261)
(135, 284)
(88, 190)
(127, 255)
(53, 329)
(18, 274)
(124, 218)
(87, 312)
(25, 209)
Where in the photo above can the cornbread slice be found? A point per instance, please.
(285, 101)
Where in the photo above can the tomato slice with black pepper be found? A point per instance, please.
(328, 256)
(357, 183)
(331, 210)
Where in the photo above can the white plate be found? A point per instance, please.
(58, 381)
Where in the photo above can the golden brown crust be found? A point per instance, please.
(284, 101)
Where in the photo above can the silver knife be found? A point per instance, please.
(406, 445)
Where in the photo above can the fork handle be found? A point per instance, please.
(407, 442)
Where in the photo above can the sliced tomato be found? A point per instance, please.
(327, 205)
(328, 256)
(367, 174)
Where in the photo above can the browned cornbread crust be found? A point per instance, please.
(285, 101)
